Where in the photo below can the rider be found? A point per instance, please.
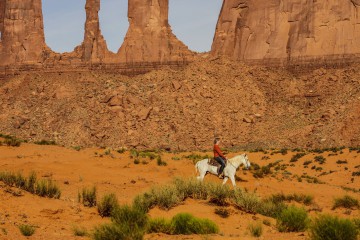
(219, 157)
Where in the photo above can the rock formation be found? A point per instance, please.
(2, 12)
(288, 30)
(149, 37)
(22, 32)
(94, 48)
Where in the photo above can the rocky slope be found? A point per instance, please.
(249, 107)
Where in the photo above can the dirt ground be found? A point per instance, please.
(112, 172)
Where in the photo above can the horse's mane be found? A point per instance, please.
(236, 160)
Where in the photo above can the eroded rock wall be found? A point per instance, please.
(23, 39)
(149, 37)
(288, 30)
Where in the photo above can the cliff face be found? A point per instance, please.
(149, 37)
(287, 30)
(22, 32)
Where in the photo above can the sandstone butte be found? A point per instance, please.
(255, 31)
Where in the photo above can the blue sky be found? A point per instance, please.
(192, 21)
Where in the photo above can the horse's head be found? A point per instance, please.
(246, 161)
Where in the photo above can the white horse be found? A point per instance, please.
(229, 171)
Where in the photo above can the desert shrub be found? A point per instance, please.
(42, 188)
(160, 225)
(107, 205)
(331, 227)
(30, 183)
(271, 208)
(126, 223)
(144, 202)
(79, 231)
(300, 198)
(12, 142)
(346, 202)
(341, 161)
(20, 181)
(219, 194)
(76, 148)
(297, 156)
(245, 201)
(136, 161)
(121, 150)
(184, 223)
(306, 163)
(165, 197)
(267, 222)
(292, 219)
(256, 229)
(196, 157)
(45, 142)
(357, 223)
(160, 162)
(320, 159)
(222, 212)
(263, 171)
(356, 174)
(88, 197)
(192, 188)
(47, 188)
(26, 230)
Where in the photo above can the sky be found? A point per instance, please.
(192, 21)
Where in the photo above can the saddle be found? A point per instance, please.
(214, 163)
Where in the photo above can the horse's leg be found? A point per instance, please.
(225, 180)
(232, 178)
(201, 176)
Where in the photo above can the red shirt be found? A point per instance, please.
(217, 152)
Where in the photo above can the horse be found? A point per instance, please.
(203, 167)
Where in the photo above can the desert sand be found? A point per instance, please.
(113, 172)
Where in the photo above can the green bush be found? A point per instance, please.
(256, 230)
(320, 159)
(292, 219)
(297, 156)
(247, 202)
(160, 225)
(88, 197)
(79, 231)
(47, 188)
(42, 188)
(346, 202)
(12, 142)
(107, 205)
(160, 162)
(219, 194)
(222, 212)
(184, 223)
(165, 197)
(45, 142)
(192, 188)
(333, 228)
(127, 223)
(26, 230)
(271, 208)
